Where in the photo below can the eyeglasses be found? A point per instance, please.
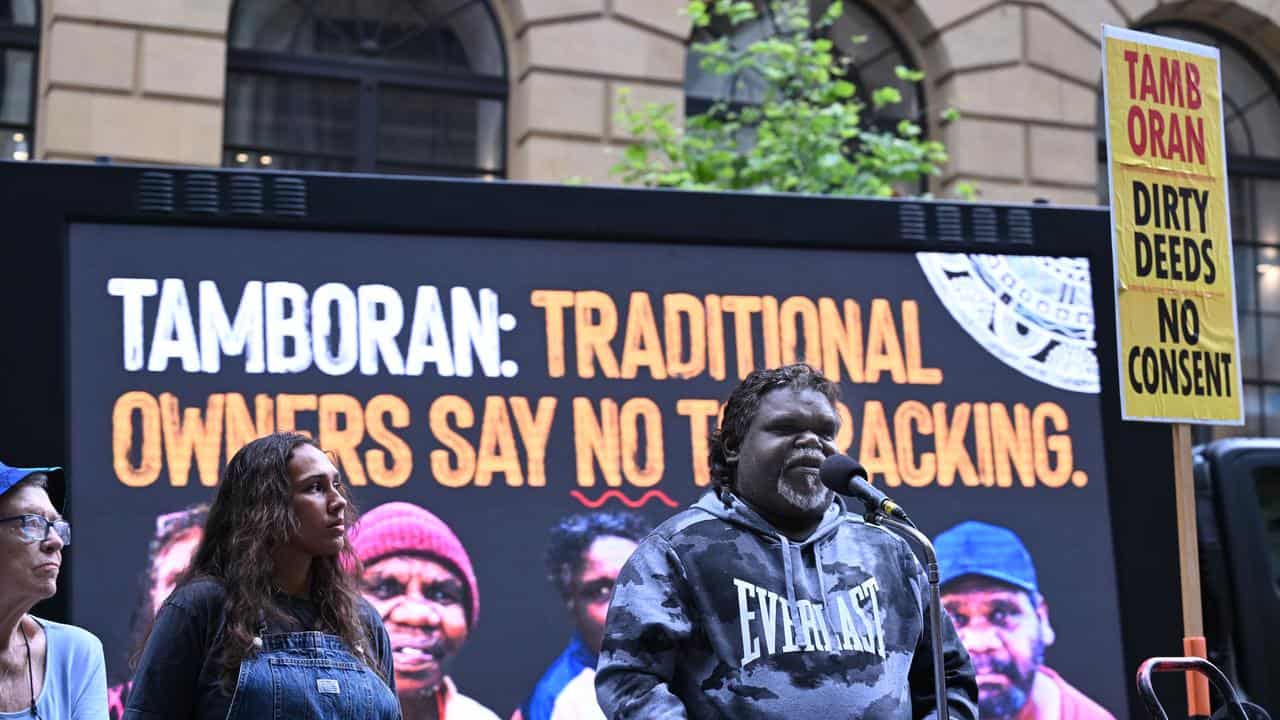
(35, 528)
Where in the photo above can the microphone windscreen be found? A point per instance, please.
(837, 471)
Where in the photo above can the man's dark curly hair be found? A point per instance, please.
(573, 534)
(741, 409)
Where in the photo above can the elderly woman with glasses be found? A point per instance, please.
(47, 670)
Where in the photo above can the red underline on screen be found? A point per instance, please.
(617, 495)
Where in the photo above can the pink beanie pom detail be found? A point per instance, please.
(404, 528)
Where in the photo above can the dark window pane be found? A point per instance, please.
(1267, 485)
(1266, 210)
(303, 28)
(16, 76)
(1250, 367)
(23, 13)
(1263, 120)
(871, 65)
(283, 115)
(1271, 412)
(436, 47)
(1237, 133)
(458, 35)
(483, 47)
(452, 35)
(375, 102)
(276, 25)
(428, 130)
(1270, 326)
(1252, 410)
(1267, 276)
(1240, 193)
(1249, 94)
(1246, 276)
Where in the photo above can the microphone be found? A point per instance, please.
(846, 476)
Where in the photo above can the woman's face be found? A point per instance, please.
(423, 606)
(28, 570)
(318, 502)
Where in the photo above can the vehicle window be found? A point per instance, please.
(1267, 483)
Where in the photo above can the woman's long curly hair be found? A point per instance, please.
(250, 517)
(741, 408)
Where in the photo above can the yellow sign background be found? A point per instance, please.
(1171, 233)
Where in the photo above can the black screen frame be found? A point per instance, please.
(40, 201)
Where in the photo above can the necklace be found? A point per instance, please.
(31, 683)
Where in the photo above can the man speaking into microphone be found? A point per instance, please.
(766, 598)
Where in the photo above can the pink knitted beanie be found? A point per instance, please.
(400, 527)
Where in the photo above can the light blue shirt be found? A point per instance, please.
(75, 676)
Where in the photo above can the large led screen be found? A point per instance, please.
(505, 384)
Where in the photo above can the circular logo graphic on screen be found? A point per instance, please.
(1034, 313)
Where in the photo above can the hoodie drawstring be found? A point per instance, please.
(789, 571)
(832, 622)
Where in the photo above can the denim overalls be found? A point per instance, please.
(309, 676)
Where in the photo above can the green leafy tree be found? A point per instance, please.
(807, 135)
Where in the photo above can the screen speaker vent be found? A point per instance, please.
(912, 224)
(986, 225)
(1020, 227)
(246, 195)
(200, 192)
(950, 223)
(156, 192)
(289, 196)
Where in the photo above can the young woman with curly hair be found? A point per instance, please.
(266, 623)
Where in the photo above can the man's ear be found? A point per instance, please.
(731, 455)
(1046, 629)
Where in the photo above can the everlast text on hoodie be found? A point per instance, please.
(719, 615)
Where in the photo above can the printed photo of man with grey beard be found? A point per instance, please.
(990, 589)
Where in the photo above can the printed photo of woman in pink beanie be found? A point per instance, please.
(418, 576)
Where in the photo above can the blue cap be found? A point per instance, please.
(10, 476)
(977, 548)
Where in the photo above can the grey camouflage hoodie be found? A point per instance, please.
(719, 615)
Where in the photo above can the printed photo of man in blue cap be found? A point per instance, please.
(989, 588)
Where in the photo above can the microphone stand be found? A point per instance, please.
(935, 602)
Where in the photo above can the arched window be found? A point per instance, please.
(1251, 110)
(19, 43)
(399, 86)
(871, 65)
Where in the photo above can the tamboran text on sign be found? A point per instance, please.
(1171, 234)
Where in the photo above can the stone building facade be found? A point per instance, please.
(145, 80)
(148, 81)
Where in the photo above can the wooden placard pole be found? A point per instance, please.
(1193, 642)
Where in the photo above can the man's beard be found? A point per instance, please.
(1009, 702)
(427, 689)
(813, 496)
